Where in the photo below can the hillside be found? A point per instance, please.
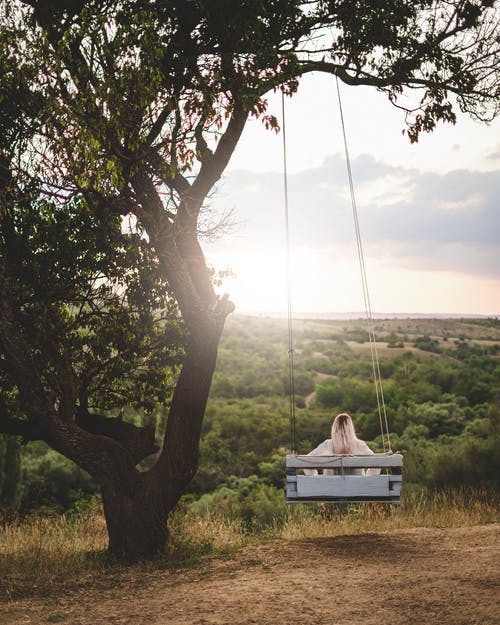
(431, 576)
(441, 387)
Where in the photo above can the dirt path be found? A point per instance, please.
(424, 576)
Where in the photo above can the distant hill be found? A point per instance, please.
(362, 315)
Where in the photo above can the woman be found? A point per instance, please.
(343, 441)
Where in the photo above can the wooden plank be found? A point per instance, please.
(394, 491)
(335, 462)
(348, 486)
(292, 496)
(345, 500)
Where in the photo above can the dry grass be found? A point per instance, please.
(451, 509)
(41, 551)
(38, 555)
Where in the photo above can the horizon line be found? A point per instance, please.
(362, 315)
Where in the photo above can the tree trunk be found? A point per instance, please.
(136, 523)
(137, 505)
(12, 473)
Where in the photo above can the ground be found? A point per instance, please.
(424, 576)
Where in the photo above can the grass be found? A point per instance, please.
(418, 509)
(41, 554)
(38, 552)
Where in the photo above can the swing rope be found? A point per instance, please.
(382, 413)
(291, 367)
(377, 376)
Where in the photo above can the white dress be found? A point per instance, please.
(326, 449)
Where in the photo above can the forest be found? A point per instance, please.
(441, 388)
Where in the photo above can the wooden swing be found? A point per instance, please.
(343, 486)
(340, 478)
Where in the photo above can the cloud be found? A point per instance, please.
(417, 220)
(461, 206)
(495, 155)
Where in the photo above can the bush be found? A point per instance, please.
(255, 505)
(346, 394)
(51, 480)
(427, 344)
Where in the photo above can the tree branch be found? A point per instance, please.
(202, 150)
(213, 165)
(138, 441)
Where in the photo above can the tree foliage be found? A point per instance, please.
(93, 308)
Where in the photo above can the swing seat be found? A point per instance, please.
(344, 486)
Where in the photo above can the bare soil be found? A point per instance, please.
(424, 576)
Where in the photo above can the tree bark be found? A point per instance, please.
(136, 520)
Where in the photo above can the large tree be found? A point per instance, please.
(135, 107)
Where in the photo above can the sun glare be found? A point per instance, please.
(318, 282)
(321, 282)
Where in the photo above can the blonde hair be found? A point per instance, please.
(343, 434)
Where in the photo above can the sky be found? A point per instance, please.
(429, 213)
